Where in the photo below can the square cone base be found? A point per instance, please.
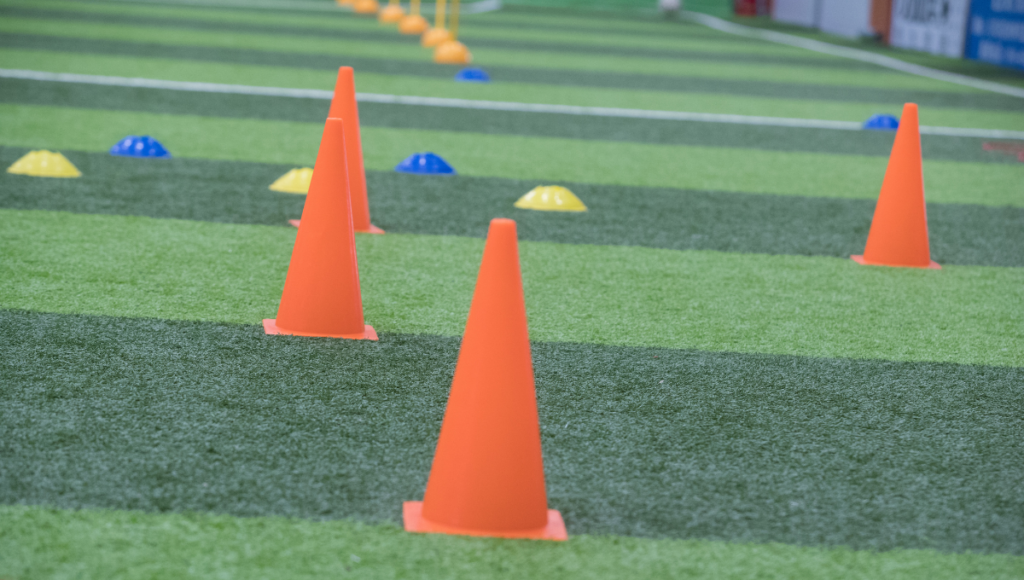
(270, 327)
(412, 514)
(932, 265)
(373, 229)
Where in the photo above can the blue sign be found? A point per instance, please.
(995, 32)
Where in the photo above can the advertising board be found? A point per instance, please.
(996, 32)
(935, 26)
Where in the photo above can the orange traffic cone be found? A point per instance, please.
(343, 106)
(321, 292)
(899, 230)
(488, 474)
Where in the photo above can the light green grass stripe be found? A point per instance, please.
(537, 59)
(184, 70)
(515, 157)
(46, 543)
(688, 38)
(618, 295)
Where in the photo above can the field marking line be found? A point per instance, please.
(853, 53)
(478, 7)
(484, 105)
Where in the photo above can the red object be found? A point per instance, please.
(745, 7)
(321, 292)
(487, 478)
(1011, 148)
(881, 18)
(752, 7)
(899, 230)
(343, 106)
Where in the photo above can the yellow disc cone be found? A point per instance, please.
(295, 181)
(551, 198)
(44, 164)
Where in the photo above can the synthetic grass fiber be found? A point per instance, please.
(181, 416)
(558, 68)
(290, 76)
(236, 192)
(877, 143)
(42, 543)
(142, 267)
(516, 157)
(714, 375)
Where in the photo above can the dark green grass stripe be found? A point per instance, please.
(877, 143)
(541, 21)
(180, 416)
(527, 75)
(236, 192)
(387, 35)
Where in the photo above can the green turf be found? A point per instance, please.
(141, 267)
(235, 192)
(179, 416)
(516, 157)
(43, 543)
(549, 78)
(528, 63)
(166, 395)
(877, 143)
(487, 28)
(518, 92)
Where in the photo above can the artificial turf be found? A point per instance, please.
(517, 157)
(237, 192)
(713, 374)
(174, 69)
(158, 415)
(632, 130)
(44, 543)
(553, 67)
(143, 267)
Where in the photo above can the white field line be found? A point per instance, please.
(484, 105)
(855, 54)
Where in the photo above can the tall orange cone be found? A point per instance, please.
(343, 107)
(321, 292)
(488, 474)
(899, 230)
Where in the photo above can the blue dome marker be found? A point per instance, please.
(882, 123)
(472, 75)
(425, 164)
(142, 147)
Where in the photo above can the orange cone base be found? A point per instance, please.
(373, 229)
(452, 52)
(390, 14)
(270, 327)
(365, 7)
(933, 265)
(413, 24)
(412, 514)
(434, 37)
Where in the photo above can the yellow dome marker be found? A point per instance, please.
(295, 181)
(551, 198)
(44, 164)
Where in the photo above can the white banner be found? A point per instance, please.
(935, 26)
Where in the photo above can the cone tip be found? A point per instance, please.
(503, 226)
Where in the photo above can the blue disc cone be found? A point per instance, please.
(882, 123)
(472, 75)
(425, 164)
(143, 147)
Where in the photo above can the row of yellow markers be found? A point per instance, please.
(443, 39)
